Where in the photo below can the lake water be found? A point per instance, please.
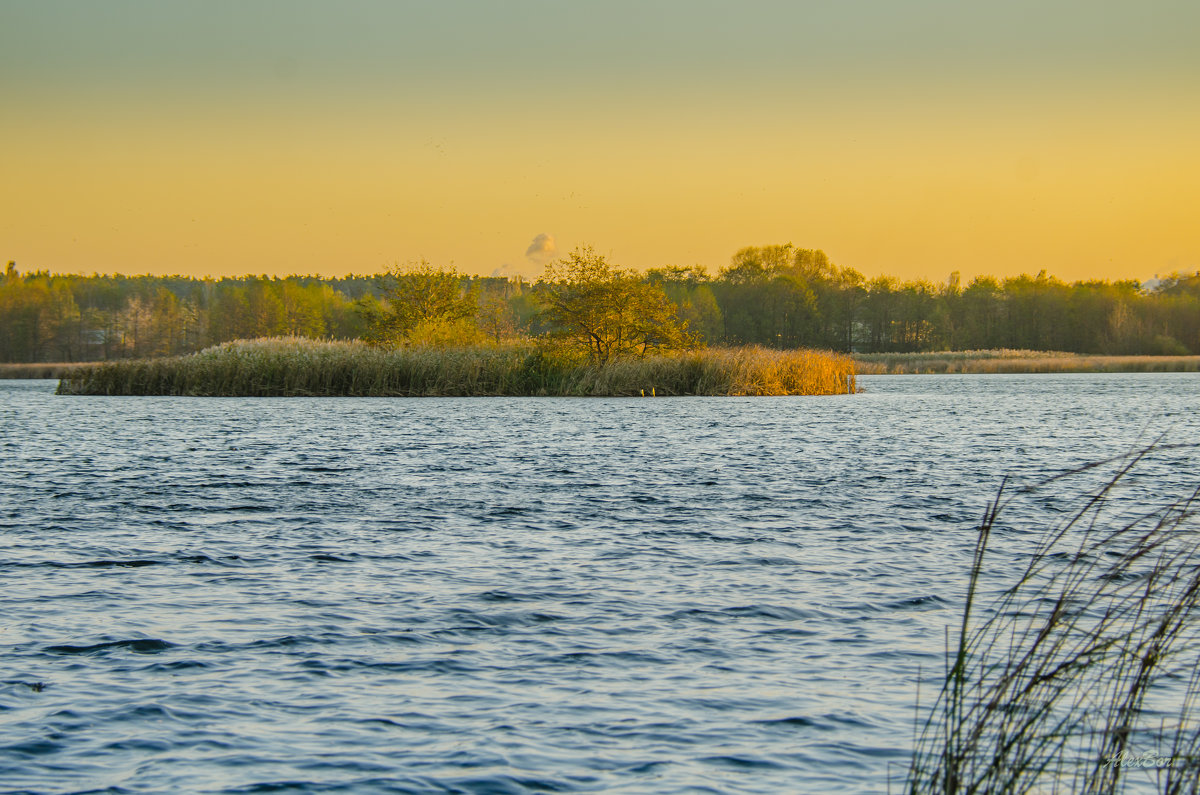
(509, 595)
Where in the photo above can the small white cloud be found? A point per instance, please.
(542, 249)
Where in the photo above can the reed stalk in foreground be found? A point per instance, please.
(1081, 677)
(303, 367)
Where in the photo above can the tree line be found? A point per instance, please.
(777, 296)
(783, 296)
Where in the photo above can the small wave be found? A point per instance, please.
(175, 665)
(798, 721)
(200, 558)
(104, 564)
(499, 595)
(504, 596)
(929, 600)
(85, 564)
(475, 620)
(139, 645)
(638, 768)
(283, 642)
(790, 631)
(438, 665)
(508, 785)
(243, 508)
(757, 561)
(743, 762)
(508, 510)
(331, 639)
(32, 748)
(137, 745)
(604, 658)
(849, 719)
(774, 612)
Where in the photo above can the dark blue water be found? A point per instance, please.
(515, 595)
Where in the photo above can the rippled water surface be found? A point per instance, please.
(499, 595)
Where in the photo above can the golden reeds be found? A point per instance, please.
(305, 367)
(1005, 360)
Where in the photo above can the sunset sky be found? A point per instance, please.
(912, 139)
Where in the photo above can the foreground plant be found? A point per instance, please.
(1082, 673)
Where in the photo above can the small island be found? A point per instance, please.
(606, 333)
(297, 367)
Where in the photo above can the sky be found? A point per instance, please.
(226, 137)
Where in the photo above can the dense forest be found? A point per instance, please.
(775, 296)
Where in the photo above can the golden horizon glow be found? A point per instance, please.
(326, 161)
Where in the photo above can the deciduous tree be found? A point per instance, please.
(606, 311)
(419, 294)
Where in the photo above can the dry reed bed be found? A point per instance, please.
(1019, 361)
(303, 367)
(1083, 675)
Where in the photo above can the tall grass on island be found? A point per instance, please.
(1004, 360)
(304, 367)
(1083, 674)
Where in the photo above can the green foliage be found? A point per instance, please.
(607, 311)
(419, 295)
(38, 315)
(692, 294)
(445, 333)
(767, 296)
(46, 317)
(775, 296)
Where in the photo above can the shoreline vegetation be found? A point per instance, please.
(37, 370)
(292, 366)
(1018, 361)
(587, 327)
(603, 332)
(1001, 361)
(775, 296)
